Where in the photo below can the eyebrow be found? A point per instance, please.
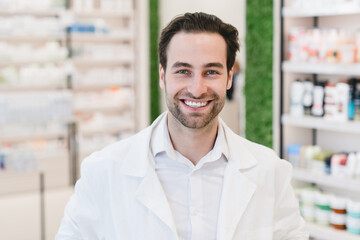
(214, 64)
(187, 65)
(181, 64)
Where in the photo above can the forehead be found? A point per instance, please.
(196, 48)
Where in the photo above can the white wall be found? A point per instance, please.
(230, 11)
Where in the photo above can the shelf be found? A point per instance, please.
(102, 14)
(34, 38)
(30, 88)
(109, 129)
(55, 156)
(291, 12)
(328, 233)
(102, 62)
(106, 109)
(101, 86)
(322, 68)
(22, 138)
(344, 183)
(25, 181)
(88, 37)
(321, 124)
(24, 63)
(55, 121)
(42, 13)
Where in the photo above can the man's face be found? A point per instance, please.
(196, 78)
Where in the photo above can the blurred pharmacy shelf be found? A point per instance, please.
(54, 168)
(81, 50)
(291, 12)
(30, 88)
(24, 88)
(327, 233)
(322, 68)
(35, 136)
(103, 108)
(102, 38)
(107, 129)
(33, 38)
(25, 181)
(102, 62)
(309, 15)
(25, 63)
(344, 183)
(321, 124)
(103, 14)
(101, 86)
(40, 13)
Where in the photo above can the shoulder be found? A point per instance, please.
(114, 153)
(264, 157)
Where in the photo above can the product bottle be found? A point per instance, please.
(2, 162)
(297, 92)
(357, 167)
(352, 93)
(357, 107)
(308, 96)
(318, 104)
(351, 164)
(343, 90)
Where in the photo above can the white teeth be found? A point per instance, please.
(195, 104)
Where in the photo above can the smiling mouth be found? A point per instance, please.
(194, 104)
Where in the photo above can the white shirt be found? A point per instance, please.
(193, 192)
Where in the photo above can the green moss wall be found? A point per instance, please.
(154, 75)
(258, 86)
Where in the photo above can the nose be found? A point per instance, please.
(197, 86)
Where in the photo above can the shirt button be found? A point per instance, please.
(195, 212)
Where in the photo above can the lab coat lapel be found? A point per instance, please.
(151, 194)
(141, 164)
(237, 193)
(238, 189)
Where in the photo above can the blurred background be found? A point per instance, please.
(78, 75)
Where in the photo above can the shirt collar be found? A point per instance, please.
(160, 141)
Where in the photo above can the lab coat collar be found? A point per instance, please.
(239, 155)
(160, 142)
(136, 162)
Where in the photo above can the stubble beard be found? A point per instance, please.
(194, 120)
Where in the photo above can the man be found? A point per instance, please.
(188, 176)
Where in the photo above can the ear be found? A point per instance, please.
(230, 78)
(161, 77)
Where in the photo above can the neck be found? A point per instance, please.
(190, 142)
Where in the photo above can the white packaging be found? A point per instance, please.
(88, 5)
(78, 5)
(343, 90)
(350, 165)
(330, 102)
(357, 167)
(318, 106)
(297, 92)
(357, 44)
(337, 219)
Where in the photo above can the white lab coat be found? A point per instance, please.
(119, 195)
